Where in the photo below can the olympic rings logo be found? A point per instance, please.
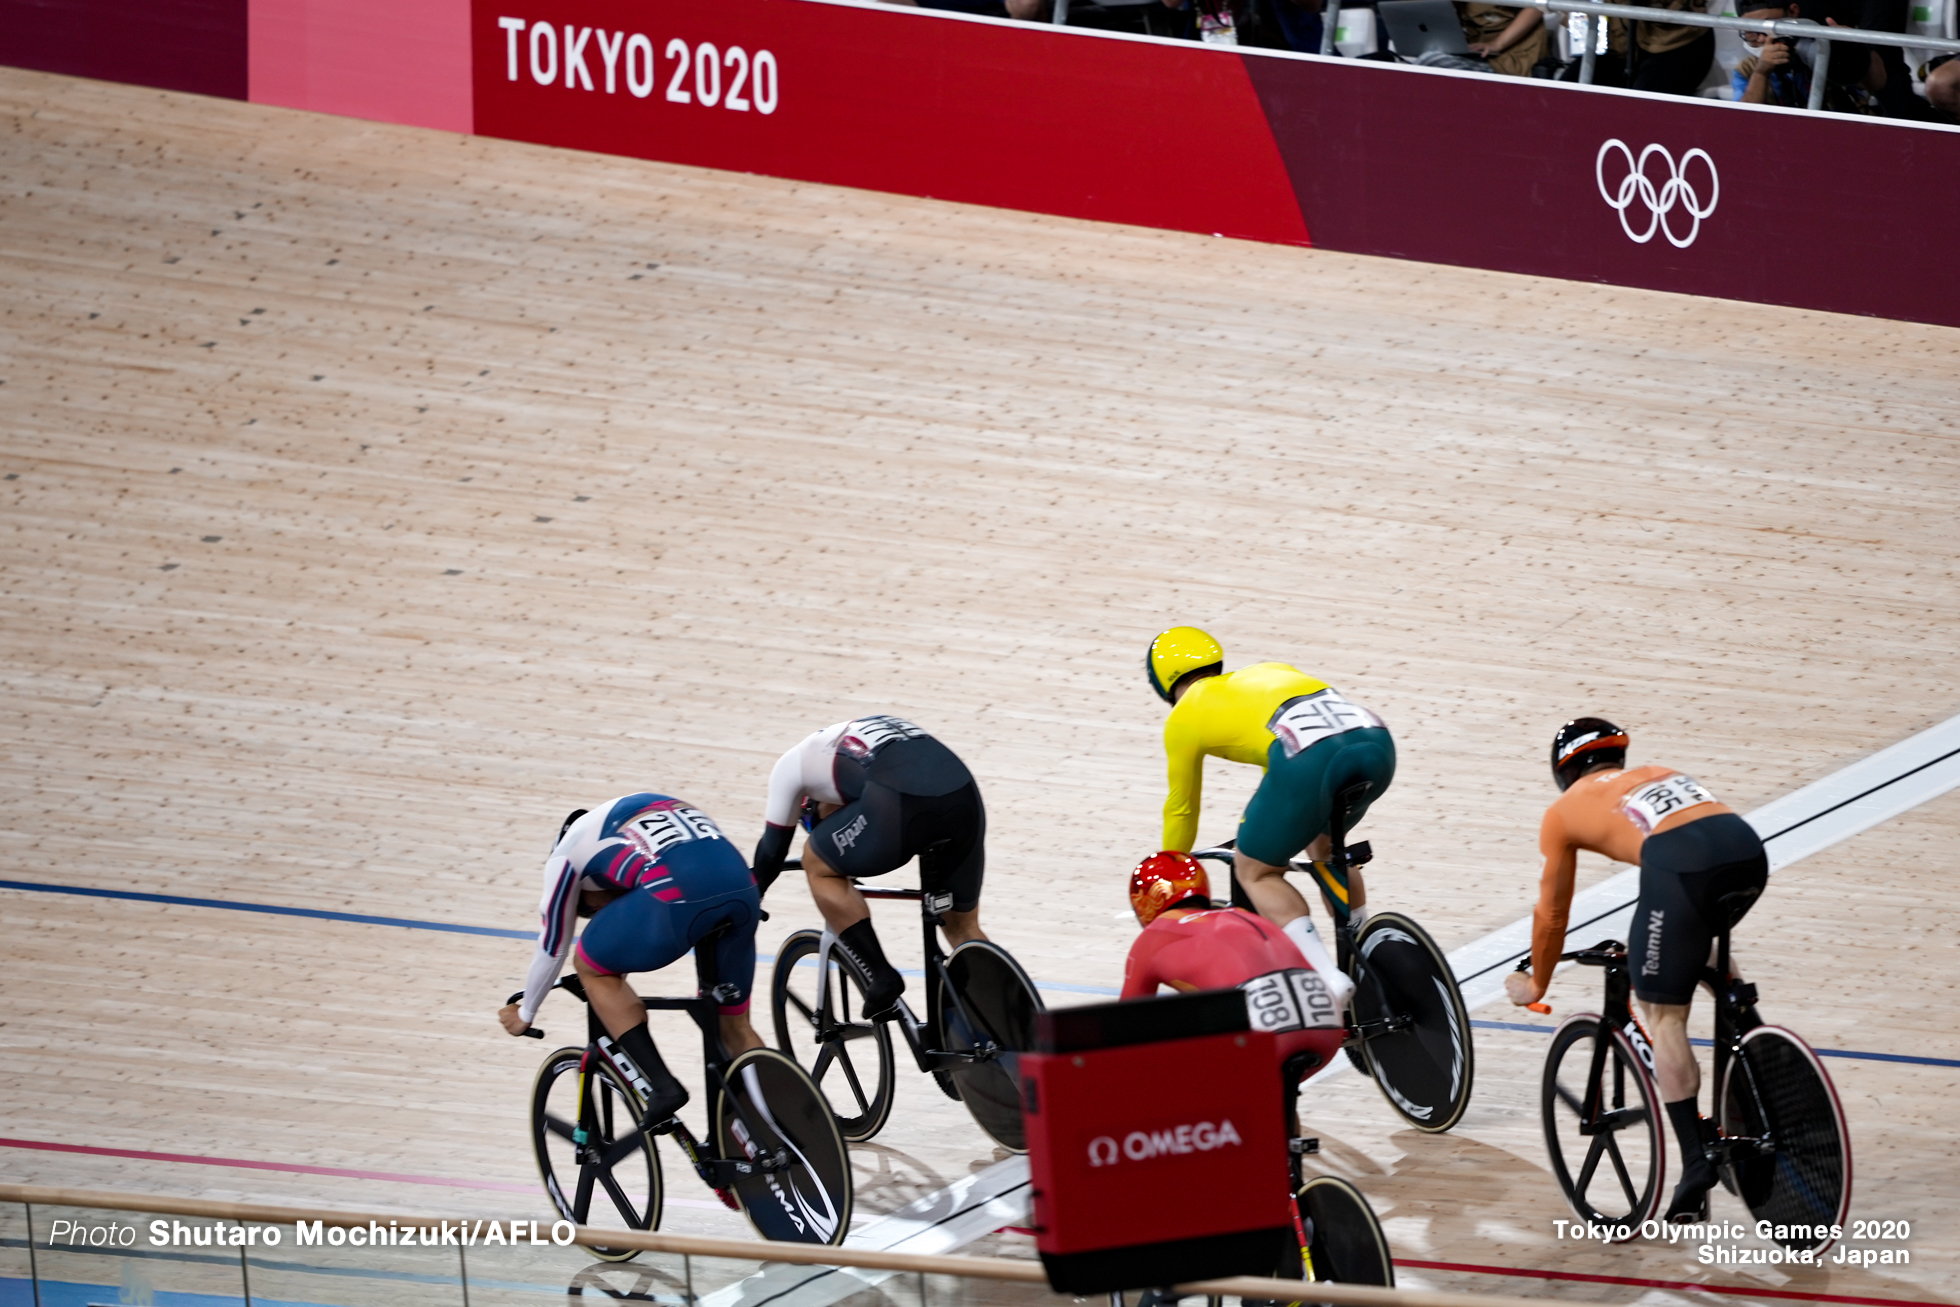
(1659, 200)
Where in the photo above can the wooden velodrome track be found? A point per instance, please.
(373, 495)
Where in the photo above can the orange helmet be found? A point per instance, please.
(1163, 880)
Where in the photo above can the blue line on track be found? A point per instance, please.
(409, 923)
(364, 919)
(1854, 1054)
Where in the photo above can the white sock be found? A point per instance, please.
(1305, 938)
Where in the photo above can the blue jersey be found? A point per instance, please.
(651, 843)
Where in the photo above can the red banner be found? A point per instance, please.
(1777, 206)
(1770, 205)
(920, 103)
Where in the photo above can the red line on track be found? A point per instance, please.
(269, 1166)
(1666, 1284)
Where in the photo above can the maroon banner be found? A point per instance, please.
(179, 45)
(921, 103)
(1777, 206)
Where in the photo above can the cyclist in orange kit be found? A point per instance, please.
(1693, 851)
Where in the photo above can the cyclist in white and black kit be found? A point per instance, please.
(874, 793)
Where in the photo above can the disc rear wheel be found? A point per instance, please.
(995, 1018)
(772, 1112)
(1426, 1068)
(610, 1177)
(1792, 1152)
(848, 1056)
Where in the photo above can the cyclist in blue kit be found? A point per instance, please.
(657, 877)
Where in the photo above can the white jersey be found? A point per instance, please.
(809, 769)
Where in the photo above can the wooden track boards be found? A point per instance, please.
(374, 496)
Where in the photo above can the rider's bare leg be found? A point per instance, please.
(836, 894)
(737, 1034)
(625, 1019)
(619, 1008)
(1278, 902)
(849, 918)
(1273, 897)
(960, 927)
(1675, 1068)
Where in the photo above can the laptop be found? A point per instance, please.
(1419, 27)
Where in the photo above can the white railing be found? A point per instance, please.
(1597, 11)
(49, 1237)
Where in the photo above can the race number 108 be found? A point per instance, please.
(594, 59)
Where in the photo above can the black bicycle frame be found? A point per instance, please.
(938, 1058)
(1735, 1016)
(717, 1171)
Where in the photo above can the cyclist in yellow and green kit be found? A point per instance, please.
(1312, 743)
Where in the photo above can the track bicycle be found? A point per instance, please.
(980, 1011)
(773, 1151)
(1407, 1025)
(1781, 1143)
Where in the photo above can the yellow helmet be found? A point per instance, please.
(1176, 654)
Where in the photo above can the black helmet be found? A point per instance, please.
(1583, 744)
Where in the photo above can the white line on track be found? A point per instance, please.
(1853, 799)
(1856, 798)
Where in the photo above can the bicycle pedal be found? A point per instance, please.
(1303, 1147)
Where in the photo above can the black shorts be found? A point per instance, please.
(889, 824)
(1684, 875)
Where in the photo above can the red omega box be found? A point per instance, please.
(1160, 1162)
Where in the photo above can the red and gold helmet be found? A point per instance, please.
(1163, 880)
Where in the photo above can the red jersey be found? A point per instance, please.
(1219, 949)
(1206, 950)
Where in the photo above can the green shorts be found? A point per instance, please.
(1295, 801)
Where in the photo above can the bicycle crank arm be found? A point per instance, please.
(1362, 1031)
(1730, 1149)
(1610, 1122)
(723, 1172)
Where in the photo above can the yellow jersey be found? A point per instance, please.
(1228, 716)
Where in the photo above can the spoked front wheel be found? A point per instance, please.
(1791, 1151)
(611, 1176)
(1425, 1068)
(1603, 1125)
(772, 1112)
(994, 1015)
(820, 1025)
(1345, 1242)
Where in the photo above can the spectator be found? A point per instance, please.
(1510, 40)
(1891, 85)
(1781, 70)
(1673, 59)
(1943, 87)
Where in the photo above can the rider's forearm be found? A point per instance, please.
(1547, 941)
(560, 913)
(542, 976)
(1180, 830)
(771, 851)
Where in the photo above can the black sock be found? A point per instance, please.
(665, 1095)
(1686, 1120)
(886, 984)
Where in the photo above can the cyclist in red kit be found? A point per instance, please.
(1189, 945)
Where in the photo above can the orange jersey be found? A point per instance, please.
(1609, 812)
